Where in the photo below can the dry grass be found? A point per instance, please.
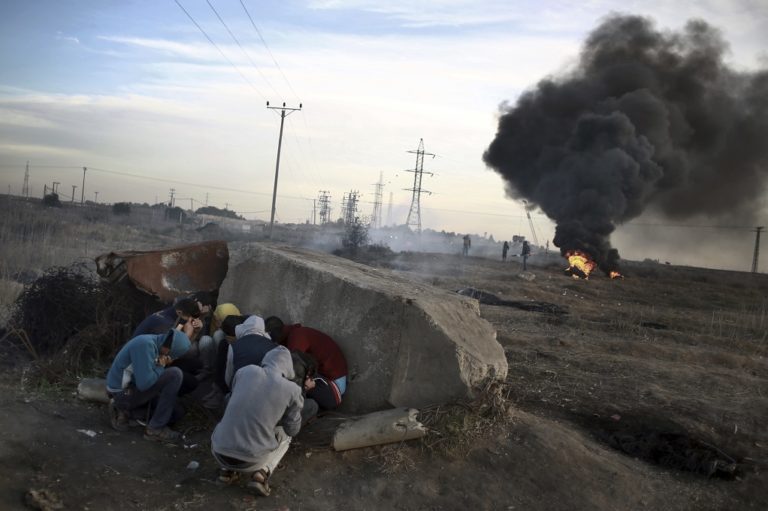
(455, 428)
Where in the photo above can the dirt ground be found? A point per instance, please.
(668, 357)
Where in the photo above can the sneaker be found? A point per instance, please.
(118, 418)
(165, 435)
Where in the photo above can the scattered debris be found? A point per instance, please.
(193, 465)
(45, 500)
(491, 299)
(88, 432)
(654, 325)
(526, 275)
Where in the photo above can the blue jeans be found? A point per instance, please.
(164, 392)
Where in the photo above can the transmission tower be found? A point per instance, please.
(349, 207)
(378, 190)
(25, 188)
(414, 215)
(757, 249)
(324, 203)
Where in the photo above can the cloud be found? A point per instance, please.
(61, 37)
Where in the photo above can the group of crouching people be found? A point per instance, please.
(268, 377)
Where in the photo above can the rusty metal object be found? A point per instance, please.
(171, 272)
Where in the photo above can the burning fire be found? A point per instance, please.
(616, 275)
(580, 264)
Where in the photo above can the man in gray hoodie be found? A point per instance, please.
(263, 413)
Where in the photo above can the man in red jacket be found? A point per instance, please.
(330, 382)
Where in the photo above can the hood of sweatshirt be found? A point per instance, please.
(254, 325)
(179, 346)
(279, 359)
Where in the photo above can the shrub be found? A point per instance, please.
(355, 236)
(121, 208)
(52, 201)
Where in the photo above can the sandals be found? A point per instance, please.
(228, 476)
(260, 483)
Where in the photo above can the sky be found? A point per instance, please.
(154, 95)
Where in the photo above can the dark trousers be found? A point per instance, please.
(190, 367)
(325, 393)
(162, 395)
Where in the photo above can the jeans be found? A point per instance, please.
(164, 391)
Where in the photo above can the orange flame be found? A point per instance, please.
(616, 275)
(580, 261)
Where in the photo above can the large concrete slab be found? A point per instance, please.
(407, 343)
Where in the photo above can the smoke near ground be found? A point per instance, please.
(648, 120)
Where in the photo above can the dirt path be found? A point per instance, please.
(574, 380)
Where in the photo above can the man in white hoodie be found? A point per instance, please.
(251, 345)
(263, 413)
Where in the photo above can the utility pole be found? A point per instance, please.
(206, 198)
(414, 215)
(757, 248)
(530, 223)
(82, 190)
(349, 207)
(325, 206)
(378, 189)
(54, 186)
(191, 206)
(389, 210)
(170, 202)
(96, 197)
(73, 193)
(314, 211)
(25, 188)
(283, 109)
(45, 190)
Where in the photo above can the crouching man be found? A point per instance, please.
(263, 413)
(140, 378)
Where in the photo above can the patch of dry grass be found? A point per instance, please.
(455, 428)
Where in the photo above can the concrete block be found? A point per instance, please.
(407, 344)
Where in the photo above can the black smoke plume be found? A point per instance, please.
(647, 118)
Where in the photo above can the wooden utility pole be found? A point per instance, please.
(82, 190)
(283, 109)
(756, 256)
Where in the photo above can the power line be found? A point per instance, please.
(219, 49)
(268, 51)
(241, 47)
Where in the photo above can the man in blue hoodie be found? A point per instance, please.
(140, 374)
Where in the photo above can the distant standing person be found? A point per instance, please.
(525, 253)
(467, 245)
(504, 250)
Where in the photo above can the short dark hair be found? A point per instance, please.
(205, 298)
(274, 327)
(304, 366)
(229, 324)
(188, 307)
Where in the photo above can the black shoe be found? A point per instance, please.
(118, 418)
(165, 435)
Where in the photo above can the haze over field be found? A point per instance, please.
(137, 88)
